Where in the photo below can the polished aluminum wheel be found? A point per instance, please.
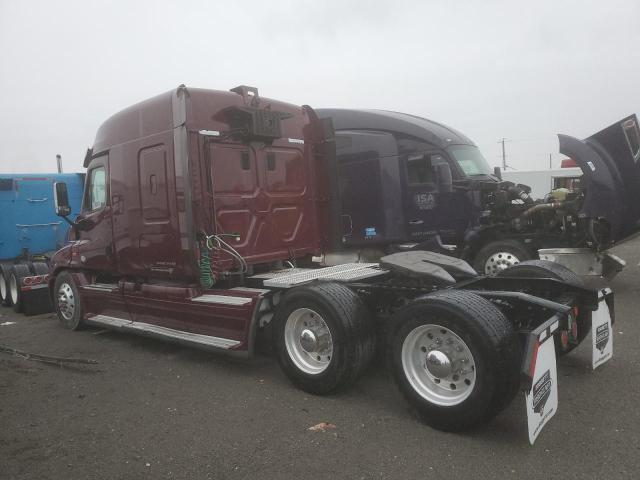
(438, 365)
(66, 301)
(308, 341)
(13, 289)
(500, 261)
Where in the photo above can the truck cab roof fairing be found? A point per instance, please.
(401, 123)
(137, 121)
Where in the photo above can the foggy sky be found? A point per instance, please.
(521, 70)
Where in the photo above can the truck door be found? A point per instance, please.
(429, 211)
(95, 248)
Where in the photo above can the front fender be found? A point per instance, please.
(60, 260)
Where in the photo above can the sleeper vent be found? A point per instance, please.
(255, 123)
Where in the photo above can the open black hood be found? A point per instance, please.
(610, 163)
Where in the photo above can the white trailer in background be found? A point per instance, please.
(543, 181)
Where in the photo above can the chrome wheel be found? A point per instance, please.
(66, 301)
(308, 341)
(500, 261)
(13, 288)
(438, 365)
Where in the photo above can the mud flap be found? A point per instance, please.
(601, 333)
(542, 398)
(35, 295)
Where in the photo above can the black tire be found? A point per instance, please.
(515, 252)
(352, 334)
(490, 338)
(547, 269)
(73, 321)
(5, 297)
(16, 274)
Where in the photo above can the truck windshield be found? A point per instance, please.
(470, 160)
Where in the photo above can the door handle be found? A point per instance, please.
(416, 222)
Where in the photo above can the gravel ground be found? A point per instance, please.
(154, 410)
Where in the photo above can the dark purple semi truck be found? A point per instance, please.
(202, 213)
(411, 183)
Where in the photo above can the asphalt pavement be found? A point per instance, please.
(149, 409)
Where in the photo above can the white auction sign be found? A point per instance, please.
(601, 335)
(542, 399)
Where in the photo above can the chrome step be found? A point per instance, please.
(163, 332)
(107, 321)
(102, 287)
(261, 291)
(222, 299)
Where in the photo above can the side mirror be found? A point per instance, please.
(497, 172)
(61, 198)
(443, 177)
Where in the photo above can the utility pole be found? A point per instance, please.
(550, 164)
(59, 161)
(504, 155)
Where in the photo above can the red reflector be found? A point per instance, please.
(534, 359)
(568, 163)
(27, 280)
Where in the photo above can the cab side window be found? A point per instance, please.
(419, 170)
(97, 189)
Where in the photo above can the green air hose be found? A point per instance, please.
(207, 279)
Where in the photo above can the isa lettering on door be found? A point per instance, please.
(425, 201)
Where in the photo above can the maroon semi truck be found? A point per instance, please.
(202, 213)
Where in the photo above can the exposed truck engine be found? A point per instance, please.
(427, 185)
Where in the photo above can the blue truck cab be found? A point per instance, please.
(30, 231)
